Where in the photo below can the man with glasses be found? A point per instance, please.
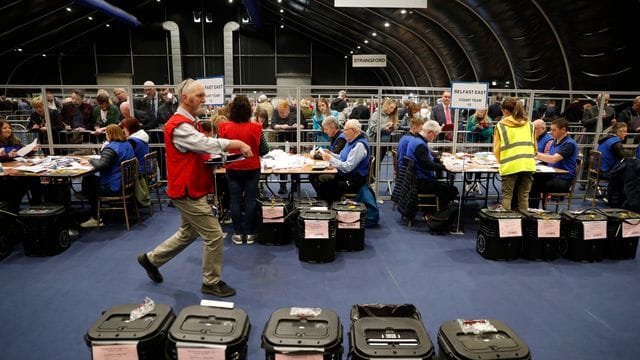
(352, 164)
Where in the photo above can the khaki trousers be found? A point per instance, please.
(520, 181)
(197, 220)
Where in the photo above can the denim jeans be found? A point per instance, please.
(243, 191)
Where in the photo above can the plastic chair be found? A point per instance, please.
(151, 176)
(593, 176)
(563, 198)
(129, 171)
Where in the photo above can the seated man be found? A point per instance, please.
(543, 138)
(415, 124)
(352, 164)
(562, 155)
(611, 148)
(426, 166)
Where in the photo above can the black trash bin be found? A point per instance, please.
(351, 218)
(583, 235)
(622, 234)
(385, 331)
(199, 327)
(298, 206)
(303, 331)
(274, 222)
(541, 235)
(46, 230)
(480, 339)
(318, 235)
(499, 234)
(148, 333)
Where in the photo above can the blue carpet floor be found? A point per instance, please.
(562, 309)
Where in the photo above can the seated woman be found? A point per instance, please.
(138, 138)
(14, 188)
(113, 153)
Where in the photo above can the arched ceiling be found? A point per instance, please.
(526, 44)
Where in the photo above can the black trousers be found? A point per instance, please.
(544, 183)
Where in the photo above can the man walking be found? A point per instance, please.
(189, 181)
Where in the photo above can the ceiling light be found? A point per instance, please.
(279, 1)
(230, 1)
(197, 16)
(403, 11)
(90, 17)
(255, 92)
(281, 11)
(366, 41)
(346, 57)
(374, 34)
(245, 20)
(44, 55)
(108, 25)
(494, 83)
(358, 47)
(208, 18)
(351, 51)
(19, 49)
(281, 26)
(507, 82)
(387, 24)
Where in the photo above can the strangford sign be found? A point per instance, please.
(375, 60)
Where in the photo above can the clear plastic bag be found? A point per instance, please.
(142, 309)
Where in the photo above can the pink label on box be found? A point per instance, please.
(594, 230)
(188, 353)
(273, 214)
(348, 216)
(115, 352)
(354, 225)
(510, 227)
(548, 228)
(631, 230)
(316, 229)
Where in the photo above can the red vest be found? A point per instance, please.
(187, 175)
(249, 133)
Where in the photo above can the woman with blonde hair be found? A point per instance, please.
(387, 117)
(113, 153)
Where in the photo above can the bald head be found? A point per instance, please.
(125, 109)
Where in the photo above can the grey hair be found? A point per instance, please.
(431, 125)
(185, 87)
(353, 124)
(331, 120)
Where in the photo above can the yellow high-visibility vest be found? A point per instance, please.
(517, 149)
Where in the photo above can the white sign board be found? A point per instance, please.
(469, 95)
(214, 90)
(375, 60)
(382, 3)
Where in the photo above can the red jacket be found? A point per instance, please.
(249, 133)
(187, 174)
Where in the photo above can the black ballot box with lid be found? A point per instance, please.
(541, 239)
(299, 331)
(211, 330)
(114, 332)
(46, 230)
(388, 331)
(274, 222)
(480, 339)
(317, 236)
(351, 218)
(499, 234)
(623, 230)
(583, 235)
(298, 206)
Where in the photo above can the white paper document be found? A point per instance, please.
(27, 148)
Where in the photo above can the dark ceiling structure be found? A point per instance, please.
(526, 44)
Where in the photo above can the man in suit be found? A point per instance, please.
(443, 115)
(149, 105)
